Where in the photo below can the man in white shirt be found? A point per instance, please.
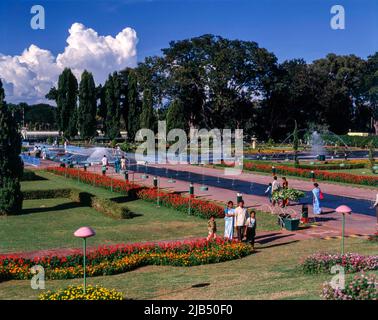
(240, 218)
(376, 211)
(275, 187)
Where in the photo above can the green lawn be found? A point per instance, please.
(270, 273)
(50, 223)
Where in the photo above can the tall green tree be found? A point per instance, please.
(66, 100)
(102, 109)
(87, 106)
(175, 116)
(11, 166)
(133, 123)
(113, 105)
(147, 116)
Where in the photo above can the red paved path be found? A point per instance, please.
(327, 225)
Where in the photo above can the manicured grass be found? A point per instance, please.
(270, 273)
(361, 172)
(50, 223)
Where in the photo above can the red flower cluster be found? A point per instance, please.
(97, 180)
(200, 208)
(319, 174)
(115, 259)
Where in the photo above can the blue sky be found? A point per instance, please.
(290, 28)
(31, 60)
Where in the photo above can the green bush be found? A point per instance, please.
(351, 141)
(362, 287)
(47, 194)
(31, 176)
(105, 206)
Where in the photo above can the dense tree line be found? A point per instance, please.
(11, 166)
(210, 81)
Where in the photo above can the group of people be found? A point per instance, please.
(119, 164)
(275, 186)
(238, 224)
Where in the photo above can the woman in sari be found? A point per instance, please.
(229, 213)
(316, 197)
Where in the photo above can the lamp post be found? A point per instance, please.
(274, 170)
(343, 209)
(239, 197)
(191, 195)
(84, 233)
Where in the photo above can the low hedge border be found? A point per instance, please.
(30, 176)
(200, 207)
(105, 206)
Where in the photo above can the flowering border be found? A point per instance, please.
(198, 207)
(351, 262)
(108, 260)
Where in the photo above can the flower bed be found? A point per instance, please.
(97, 180)
(116, 259)
(351, 262)
(200, 208)
(319, 174)
(362, 287)
(77, 293)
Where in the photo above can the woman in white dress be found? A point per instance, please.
(229, 213)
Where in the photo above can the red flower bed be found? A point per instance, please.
(319, 174)
(116, 259)
(98, 180)
(200, 208)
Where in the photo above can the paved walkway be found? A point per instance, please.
(224, 188)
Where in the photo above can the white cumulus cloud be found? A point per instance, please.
(29, 76)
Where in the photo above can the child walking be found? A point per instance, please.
(212, 228)
(250, 230)
(268, 191)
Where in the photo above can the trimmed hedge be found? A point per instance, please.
(31, 176)
(105, 206)
(351, 141)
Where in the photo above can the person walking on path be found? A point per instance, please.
(376, 212)
(211, 228)
(250, 230)
(275, 188)
(268, 191)
(123, 163)
(285, 185)
(240, 217)
(104, 163)
(317, 195)
(229, 214)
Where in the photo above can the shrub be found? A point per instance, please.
(30, 176)
(351, 262)
(362, 287)
(77, 293)
(47, 194)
